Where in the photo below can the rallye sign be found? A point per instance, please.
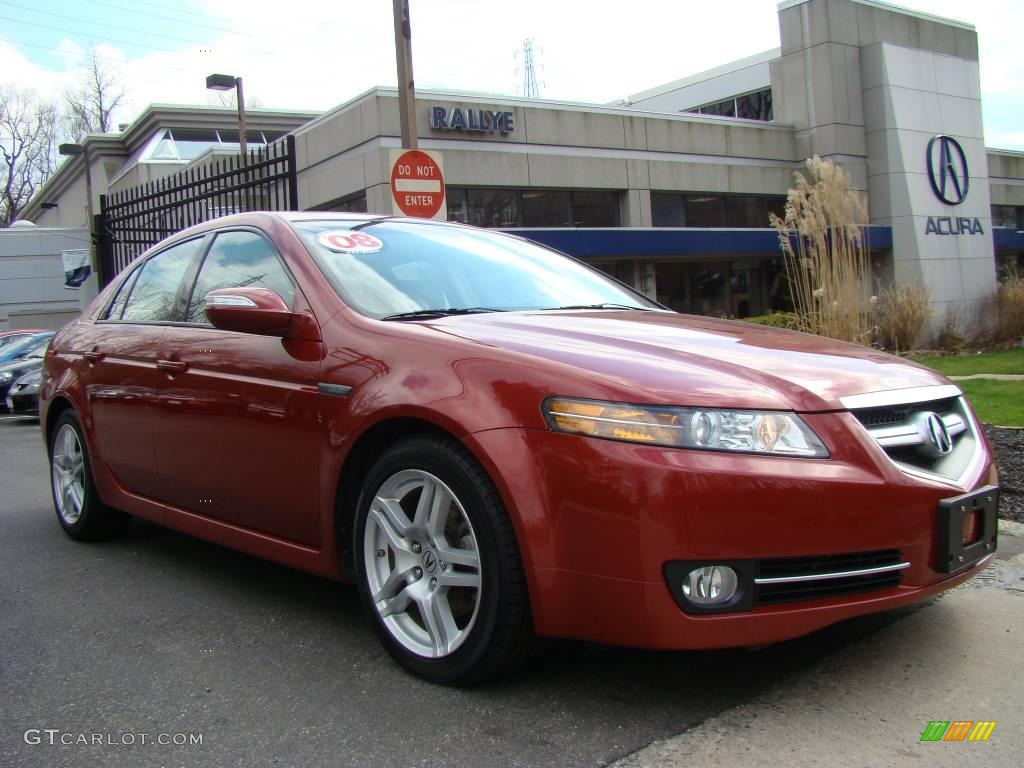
(473, 120)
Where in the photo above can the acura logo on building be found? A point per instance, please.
(947, 169)
(937, 434)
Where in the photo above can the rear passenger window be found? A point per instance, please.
(153, 296)
(237, 260)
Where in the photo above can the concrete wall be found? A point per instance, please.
(32, 274)
(48, 320)
(1006, 177)
(565, 146)
(910, 96)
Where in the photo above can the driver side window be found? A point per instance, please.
(236, 260)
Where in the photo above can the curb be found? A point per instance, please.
(1010, 528)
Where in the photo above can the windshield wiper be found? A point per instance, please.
(604, 305)
(419, 314)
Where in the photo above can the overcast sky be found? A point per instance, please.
(316, 54)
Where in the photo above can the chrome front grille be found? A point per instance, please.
(925, 431)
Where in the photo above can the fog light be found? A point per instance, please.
(710, 585)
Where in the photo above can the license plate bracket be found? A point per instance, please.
(953, 554)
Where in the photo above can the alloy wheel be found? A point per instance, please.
(68, 474)
(422, 563)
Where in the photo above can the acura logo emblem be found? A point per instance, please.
(429, 561)
(937, 434)
(947, 169)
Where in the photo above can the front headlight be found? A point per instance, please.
(5, 377)
(713, 429)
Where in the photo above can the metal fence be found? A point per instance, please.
(132, 220)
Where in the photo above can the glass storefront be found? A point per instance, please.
(723, 288)
(532, 207)
(1011, 216)
(674, 209)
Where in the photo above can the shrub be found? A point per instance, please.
(900, 316)
(1010, 307)
(776, 320)
(1000, 315)
(949, 338)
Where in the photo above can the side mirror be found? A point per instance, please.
(257, 310)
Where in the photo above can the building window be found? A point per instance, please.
(547, 208)
(673, 209)
(532, 207)
(1011, 216)
(349, 204)
(595, 209)
(723, 288)
(355, 204)
(704, 210)
(667, 210)
(756, 105)
(494, 207)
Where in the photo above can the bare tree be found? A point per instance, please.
(230, 99)
(28, 134)
(91, 105)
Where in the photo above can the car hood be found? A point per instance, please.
(677, 359)
(17, 367)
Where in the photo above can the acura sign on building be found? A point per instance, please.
(950, 181)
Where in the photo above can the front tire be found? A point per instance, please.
(438, 564)
(79, 510)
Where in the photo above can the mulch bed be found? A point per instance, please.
(1008, 445)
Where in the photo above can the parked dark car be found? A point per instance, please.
(23, 347)
(9, 337)
(496, 442)
(12, 371)
(23, 396)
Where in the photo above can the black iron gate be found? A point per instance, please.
(134, 219)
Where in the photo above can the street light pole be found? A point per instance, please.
(406, 85)
(226, 83)
(72, 150)
(241, 117)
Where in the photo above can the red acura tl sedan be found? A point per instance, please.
(497, 442)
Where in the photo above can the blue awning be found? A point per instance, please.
(634, 243)
(1008, 238)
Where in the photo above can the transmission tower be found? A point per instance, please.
(529, 87)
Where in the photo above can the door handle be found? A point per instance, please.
(93, 357)
(171, 367)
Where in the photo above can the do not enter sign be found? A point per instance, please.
(417, 184)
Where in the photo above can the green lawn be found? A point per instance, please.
(1009, 361)
(996, 402)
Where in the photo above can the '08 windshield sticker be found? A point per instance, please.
(346, 241)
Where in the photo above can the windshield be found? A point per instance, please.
(392, 269)
(18, 348)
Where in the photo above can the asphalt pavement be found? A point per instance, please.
(107, 650)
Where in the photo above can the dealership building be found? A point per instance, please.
(669, 189)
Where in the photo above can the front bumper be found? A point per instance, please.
(598, 520)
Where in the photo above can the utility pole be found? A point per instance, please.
(406, 86)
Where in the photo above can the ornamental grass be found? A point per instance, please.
(827, 259)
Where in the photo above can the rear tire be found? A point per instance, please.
(438, 565)
(79, 510)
